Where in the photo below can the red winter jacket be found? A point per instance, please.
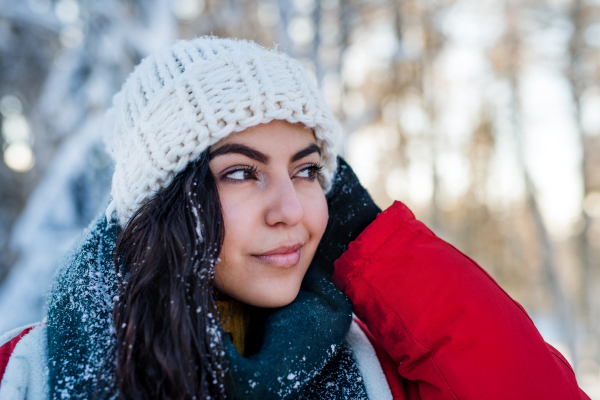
(449, 330)
(440, 326)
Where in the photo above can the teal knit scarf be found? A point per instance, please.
(301, 355)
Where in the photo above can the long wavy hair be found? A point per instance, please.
(168, 344)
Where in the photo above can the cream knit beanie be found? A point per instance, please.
(180, 101)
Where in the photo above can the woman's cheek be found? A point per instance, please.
(317, 214)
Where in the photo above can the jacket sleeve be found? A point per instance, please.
(452, 331)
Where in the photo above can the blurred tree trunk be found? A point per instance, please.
(513, 37)
(429, 86)
(578, 81)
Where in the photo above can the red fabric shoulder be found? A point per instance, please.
(452, 332)
(7, 349)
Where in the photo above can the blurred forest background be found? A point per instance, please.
(483, 116)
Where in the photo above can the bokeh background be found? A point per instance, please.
(483, 116)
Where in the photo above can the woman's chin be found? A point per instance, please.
(263, 290)
(272, 299)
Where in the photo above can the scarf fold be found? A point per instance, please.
(299, 350)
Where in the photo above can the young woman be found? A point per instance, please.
(210, 276)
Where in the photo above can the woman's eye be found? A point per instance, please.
(241, 174)
(308, 172)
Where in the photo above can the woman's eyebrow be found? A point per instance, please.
(313, 148)
(240, 149)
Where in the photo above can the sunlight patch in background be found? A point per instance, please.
(16, 133)
(363, 154)
(267, 13)
(188, 9)
(19, 157)
(552, 149)
(67, 11)
(590, 110)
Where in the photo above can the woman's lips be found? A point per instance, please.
(283, 256)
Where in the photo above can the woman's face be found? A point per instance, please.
(274, 210)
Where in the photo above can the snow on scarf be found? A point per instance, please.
(302, 353)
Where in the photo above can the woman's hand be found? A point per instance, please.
(351, 210)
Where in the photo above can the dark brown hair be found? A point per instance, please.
(168, 343)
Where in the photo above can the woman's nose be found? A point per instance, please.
(285, 206)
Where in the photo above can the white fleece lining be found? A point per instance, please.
(368, 364)
(26, 374)
(10, 335)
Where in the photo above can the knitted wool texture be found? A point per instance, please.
(180, 101)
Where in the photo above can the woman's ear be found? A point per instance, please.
(351, 210)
